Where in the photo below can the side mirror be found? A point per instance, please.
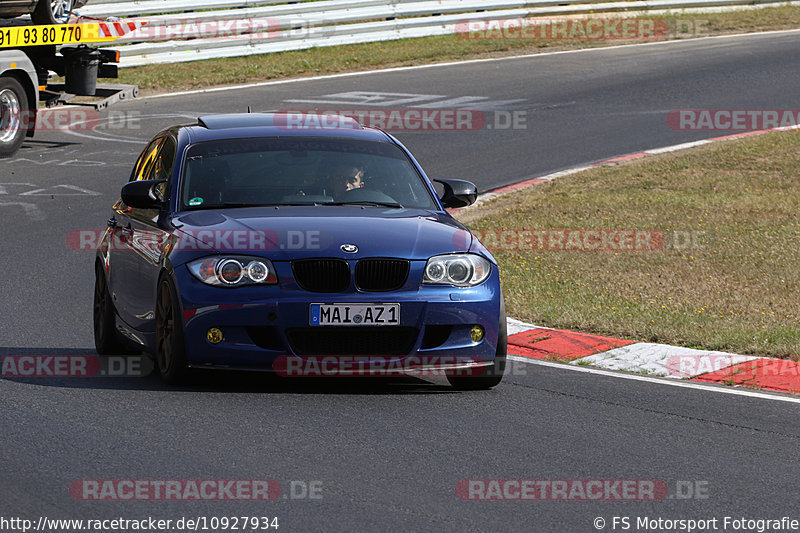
(458, 193)
(143, 194)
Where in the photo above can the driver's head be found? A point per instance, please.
(346, 178)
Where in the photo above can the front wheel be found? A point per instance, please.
(106, 340)
(171, 349)
(13, 109)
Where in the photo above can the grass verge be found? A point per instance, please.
(724, 275)
(198, 74)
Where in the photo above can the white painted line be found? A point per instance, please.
(676, 147)
(486, 196)
(104, 135)
(4, 190)
(516, 326)
(50, 191)
(660, 381)
(562, 173)
(450, 64)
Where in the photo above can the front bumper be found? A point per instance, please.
(269, 325)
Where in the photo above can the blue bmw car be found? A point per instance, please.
(297, 246)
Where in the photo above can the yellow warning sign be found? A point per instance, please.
(59, 34)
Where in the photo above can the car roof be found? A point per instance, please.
(250, 125)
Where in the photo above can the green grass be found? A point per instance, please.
(736, 290)
(406, 52)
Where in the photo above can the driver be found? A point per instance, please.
(345, 178)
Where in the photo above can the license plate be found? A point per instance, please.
(354, 315)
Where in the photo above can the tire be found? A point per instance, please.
(13, 115)
(52, 12)
(106, 338)
(493, 374)
(171, 358)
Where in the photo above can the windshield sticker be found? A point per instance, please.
(195, 202)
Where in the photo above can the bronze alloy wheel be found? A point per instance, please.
(171, 352)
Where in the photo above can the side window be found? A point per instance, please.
(144, 167)
(162, 167)
(156, 162)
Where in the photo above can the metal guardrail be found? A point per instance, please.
(179, 30)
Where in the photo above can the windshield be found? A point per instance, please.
(300, 171)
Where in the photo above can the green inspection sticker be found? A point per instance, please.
(196, 201)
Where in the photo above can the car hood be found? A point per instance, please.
(287, 233)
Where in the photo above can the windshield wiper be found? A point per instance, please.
(225, 205)
(394, 205)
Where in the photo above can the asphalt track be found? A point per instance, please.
(389, 455)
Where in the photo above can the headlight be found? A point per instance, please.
(234, 271)
(461, 270)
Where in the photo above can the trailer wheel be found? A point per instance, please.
(13, 116)
(52, 12)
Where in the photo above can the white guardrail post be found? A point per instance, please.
(179, 30)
